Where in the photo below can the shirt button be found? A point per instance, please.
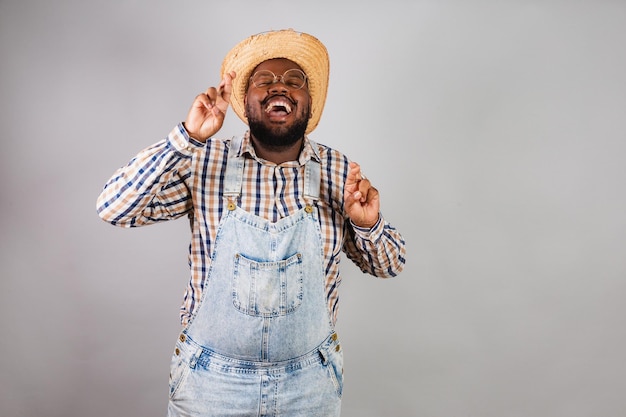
(182, 338)
(177, 351)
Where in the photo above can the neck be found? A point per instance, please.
(277, 154)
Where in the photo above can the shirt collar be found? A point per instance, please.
(309, 151)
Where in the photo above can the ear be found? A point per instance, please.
(245, 105)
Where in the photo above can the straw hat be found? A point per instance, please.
(303, 49)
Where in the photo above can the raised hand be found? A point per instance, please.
(361, 200)
(206, 116)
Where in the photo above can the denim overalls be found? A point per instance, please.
(261, 342)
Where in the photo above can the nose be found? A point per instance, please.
(278, 87)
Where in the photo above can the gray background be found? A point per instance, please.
(496, 132)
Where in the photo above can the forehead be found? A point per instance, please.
(277, 65)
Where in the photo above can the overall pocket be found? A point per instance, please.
(267, 289)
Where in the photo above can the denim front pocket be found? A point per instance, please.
(267, 289)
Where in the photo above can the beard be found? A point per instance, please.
(277, 136)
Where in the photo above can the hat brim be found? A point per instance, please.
(303, 49)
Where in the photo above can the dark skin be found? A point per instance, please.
(206, 117)
(259, 103)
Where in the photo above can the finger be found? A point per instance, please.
(372, 195)
(226, 86)
(354, 174)
(364, 187)
(228, 82)
(211, 96)
(204, 101)
(363, 191)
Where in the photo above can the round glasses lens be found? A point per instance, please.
(294, 78)
(263, 78)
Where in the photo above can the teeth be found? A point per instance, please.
(278, 103)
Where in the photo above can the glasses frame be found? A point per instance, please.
(280, 78)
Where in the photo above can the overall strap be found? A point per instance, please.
(233, 177)
(312, 176)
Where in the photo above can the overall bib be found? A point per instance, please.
(261, 342)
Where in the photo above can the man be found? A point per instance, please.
(270, 214)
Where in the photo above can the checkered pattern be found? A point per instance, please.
(179, 176)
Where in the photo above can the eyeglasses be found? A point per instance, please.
(293, 78)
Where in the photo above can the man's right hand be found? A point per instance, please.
(206, 116)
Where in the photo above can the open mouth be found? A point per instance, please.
(278, 107)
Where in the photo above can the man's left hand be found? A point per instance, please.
(361, 200)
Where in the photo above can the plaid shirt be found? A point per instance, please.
(179, 176)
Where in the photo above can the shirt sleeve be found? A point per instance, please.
(152, 187)
(379, 251)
